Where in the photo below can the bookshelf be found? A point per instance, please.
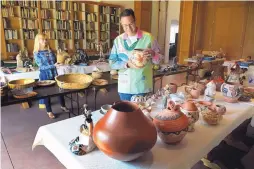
(69, 25)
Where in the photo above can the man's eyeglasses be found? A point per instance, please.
(130, 25)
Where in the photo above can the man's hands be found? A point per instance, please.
(149, 53)
(131, 65)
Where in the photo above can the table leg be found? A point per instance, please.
(77, 102)
(95, 96)
(161, 81)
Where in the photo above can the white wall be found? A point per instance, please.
(173, 13)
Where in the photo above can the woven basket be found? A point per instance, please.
(73, 81)
(21, 83)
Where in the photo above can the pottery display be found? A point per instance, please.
(221, 109)
(231, 91)
(191, 111)
(192, 91)
(171, 124)
(138, 58)
(201, 86)
(124, 132)
(210, 91)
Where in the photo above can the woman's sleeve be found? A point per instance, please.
(115, 60)
(38, 61)
(156, 48)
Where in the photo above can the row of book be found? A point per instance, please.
(51, 34)
(29, 13)
(79, 25)
(79, 6)
(45, 14)
(12, 47)
(91, 26)
(79, 15)
(77, 45)
(91, 35)
(114, 19)
(11, 34)
(29, 34)
(63, 25)
(63, 5)
(6, 23)
(104, 27)
(19, 3)
(114, 11)
(8, 12)
(47, 4)
(47, 24)
(104, 9)
(64, 34)
(104, 18)
(79, 35)
(30, 24)
(91, 45)
(91, 17)
(63, 15)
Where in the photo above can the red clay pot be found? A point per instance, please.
(124, 133)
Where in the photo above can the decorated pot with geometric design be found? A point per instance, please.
(191, 111)
(171, 124)
(231, 91)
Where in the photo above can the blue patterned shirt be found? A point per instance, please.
(45, 60)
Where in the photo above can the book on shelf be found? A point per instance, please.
(91, 45)
(104, 18)
(104, 27)
(91, 35)
(91, 26)
(11, 34)
(63, 25)
(79, 15)
(29, 34)
(45, 14)
(8, 12)
(104, 36)
(63, 15)
(91, 17)
(12, 47)
(51, 34)
(114, 11)
(28, 3)
(64, 34)
(48, 4)
(104, 9)
(29, 13)
(79, 35)
(46, 24)
(9, 3)
(63, 5)
(6, 23)
(114, 19)
(79, 25)
(30, 24)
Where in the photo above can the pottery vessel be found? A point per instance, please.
(138, 58)
(221, 109)
(201, 86)
(191, 111)
(171, 87)
(192, 91)
(210, 116)
(171, 124)
(124, 132)
(231, 91)
(96, 75)
(138, 99)
(210, 91)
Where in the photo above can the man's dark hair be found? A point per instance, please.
(128, 12)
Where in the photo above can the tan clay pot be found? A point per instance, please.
(191, 111)
(192, 91)
(171, 124)
(124, 133)
(173, 87)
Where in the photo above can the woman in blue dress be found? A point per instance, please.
(46, 61)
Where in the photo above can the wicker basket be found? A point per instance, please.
(21, 83)
(73, 81)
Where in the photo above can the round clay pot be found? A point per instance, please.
(194, 92)
(171, 124)
(191, 111)
(231, 91)
(173, 87)
(221, 109)
(124, 133)
(210, 116)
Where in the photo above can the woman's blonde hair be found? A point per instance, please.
(37, 43)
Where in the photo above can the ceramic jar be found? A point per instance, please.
(201, 86)
(193, 92)
(210, 116)
(171, 124)
(231, 91)
(171, 87)
(124, 132)
(191, 111)
(138, 58)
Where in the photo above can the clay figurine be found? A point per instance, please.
(210, 91)
(84, 143)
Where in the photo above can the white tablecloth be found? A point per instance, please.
(61, 70)
(55, 137)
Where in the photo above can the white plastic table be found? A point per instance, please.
(55, 137)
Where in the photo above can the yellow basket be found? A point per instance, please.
(73, 81)
(21, 83)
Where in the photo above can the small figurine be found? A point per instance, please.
(234, 75)
(210, 91)
(175, 65)
(84, 143)
(23, 60)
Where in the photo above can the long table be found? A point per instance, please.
(56, 136)
(53, 91)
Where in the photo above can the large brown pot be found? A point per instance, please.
(124, 133)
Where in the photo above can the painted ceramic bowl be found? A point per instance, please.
(138, 58)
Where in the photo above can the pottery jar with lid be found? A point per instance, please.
(191, 111)
(171, 124)
(124, 133)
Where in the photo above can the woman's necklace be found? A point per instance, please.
(130, 48)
